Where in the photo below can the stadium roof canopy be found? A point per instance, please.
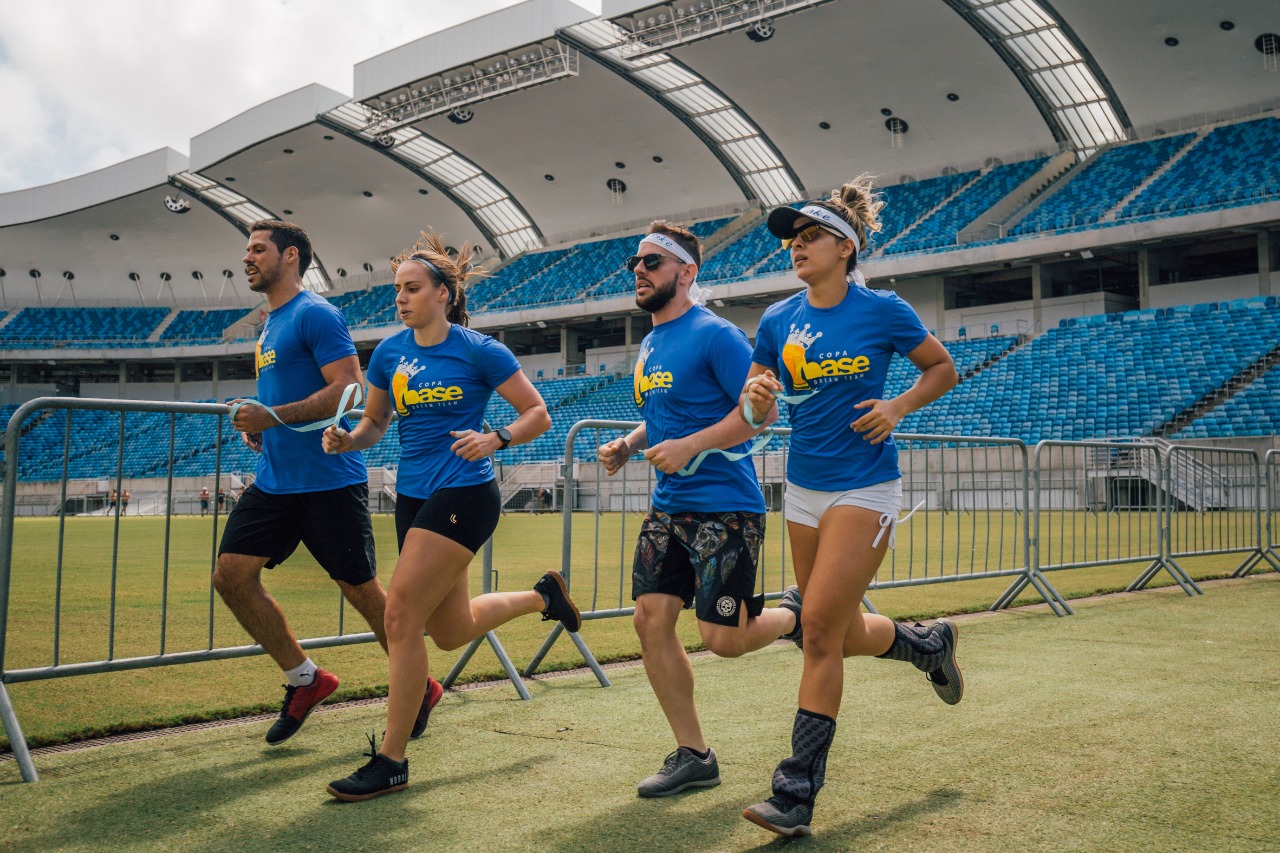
(520, 129)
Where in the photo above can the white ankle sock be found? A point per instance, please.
(302, 674)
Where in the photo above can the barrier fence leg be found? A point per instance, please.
(1188, 584)
(582, 650)
(1056, 601)
(1253, 561)
(871, 608)
(17, 742)
(503, 659)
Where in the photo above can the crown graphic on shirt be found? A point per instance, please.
(802, 337)
(409, 368)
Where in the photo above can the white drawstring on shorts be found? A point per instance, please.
(889, 521)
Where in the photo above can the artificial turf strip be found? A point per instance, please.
(1141, 723)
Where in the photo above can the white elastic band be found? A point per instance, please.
(667, 243)
(889, 521)
(856, 275)
(697, 295)
(826, 217)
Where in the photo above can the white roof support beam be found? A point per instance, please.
(242, 212)
(501, 219)
(1056, 69)
(752, 160)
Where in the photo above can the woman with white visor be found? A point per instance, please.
(827, 350)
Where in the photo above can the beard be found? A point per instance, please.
(266, 278)
(661, 296)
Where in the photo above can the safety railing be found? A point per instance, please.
(185, 623)
(1271, 515)
(1228, 518)
(1100, 503)
(985, 508)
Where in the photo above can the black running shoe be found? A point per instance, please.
(777, 814)
(429, 699)
(791, 601)
(947, 680)
(298, 704)
(559, 606)
(380, 776)
(680, 771)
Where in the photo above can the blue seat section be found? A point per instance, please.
(624, 280)
(1101, 184)
(906, 203)
(571, 277)
(485, 292)
(1232, 166)
(200, 327)
(373, 307)
(940, 228)
(1106, 376)
(95, 327)
(735, 261)
(1255, 411)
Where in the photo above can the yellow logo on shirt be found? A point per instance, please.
(643, 382)
(403, 396)
(262, 359)
(795, 359)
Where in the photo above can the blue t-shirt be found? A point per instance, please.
(687, 378)
(844, 351)
(299, 338)
(434, 390)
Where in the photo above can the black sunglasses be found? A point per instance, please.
(651, 261)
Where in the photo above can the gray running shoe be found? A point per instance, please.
(947, 680)
(782, 816)
(682, 769)
(791, 601)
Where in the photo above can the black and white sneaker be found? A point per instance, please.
(947, 680)
(791, 601)
(380, 776)
(780, 815)
(560, 607)
(680, 771)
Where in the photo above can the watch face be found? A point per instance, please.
(505, 435)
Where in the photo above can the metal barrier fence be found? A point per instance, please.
(1271, 536)
(984, 512)
(188, 613)
(971, 524)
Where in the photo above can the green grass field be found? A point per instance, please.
(1142, 723)
(67, 709)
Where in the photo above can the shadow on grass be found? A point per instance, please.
(161, 811)
(644, 825)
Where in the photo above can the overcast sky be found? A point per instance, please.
(88, 83)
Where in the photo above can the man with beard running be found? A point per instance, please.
(304, 360)
(702, 537)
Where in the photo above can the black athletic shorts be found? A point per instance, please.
(466, 514)
(710, 556)
(333, 524)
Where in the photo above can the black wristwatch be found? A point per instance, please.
(504, 435)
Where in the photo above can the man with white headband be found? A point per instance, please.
(702, 537)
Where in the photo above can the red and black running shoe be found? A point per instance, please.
(298, 704)
(429, 700)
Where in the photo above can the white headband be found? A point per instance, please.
(826, 217)
(670, 245)
(697, 294)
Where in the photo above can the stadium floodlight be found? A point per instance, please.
(451, 91)
(666, 25)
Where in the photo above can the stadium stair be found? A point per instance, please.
(1220, 395)
(1110, 215)
(905, 235)
(164, 324)
(1004, 211)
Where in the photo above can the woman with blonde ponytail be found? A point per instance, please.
(438, 376)
(827, 350)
